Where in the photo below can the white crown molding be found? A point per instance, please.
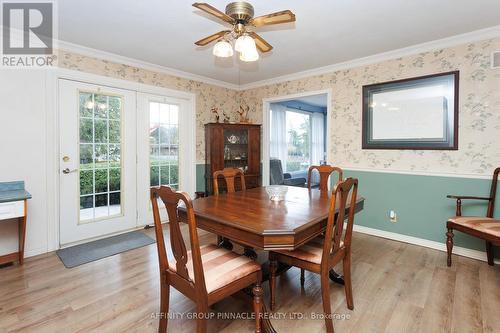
(468, 37)
(461, 251)
(477, 35)
(94, 53)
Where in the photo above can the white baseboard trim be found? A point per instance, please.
(461, 251)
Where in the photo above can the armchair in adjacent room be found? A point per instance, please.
(279, 178)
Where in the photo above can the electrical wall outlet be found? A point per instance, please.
(393, 217)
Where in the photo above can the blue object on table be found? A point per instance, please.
(13, 191)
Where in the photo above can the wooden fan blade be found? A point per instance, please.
(284, 16)
(261, 43)
(211, 38)
(214, 11)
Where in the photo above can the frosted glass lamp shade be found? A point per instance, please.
(223, 49)
(244, 43)
(251, 55)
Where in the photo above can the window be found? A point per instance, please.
(298, 129)
(164, 144)
(297, 137)
(100, 155)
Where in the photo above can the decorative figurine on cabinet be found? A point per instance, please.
(215, 111)
(226, 117)
(243, 112)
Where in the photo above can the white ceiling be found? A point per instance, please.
(326, 31)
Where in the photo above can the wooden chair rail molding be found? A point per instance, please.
(486, 228)
(324, 174)
(194, 273)
(322, 254)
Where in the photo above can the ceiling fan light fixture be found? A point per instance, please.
(243, 43)
(246, 45)
(223, 49)
(240, 15)
(250, 55)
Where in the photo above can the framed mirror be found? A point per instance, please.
(417, 113)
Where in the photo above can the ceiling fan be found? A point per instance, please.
(240, 15)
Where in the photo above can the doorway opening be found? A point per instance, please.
(295, 136)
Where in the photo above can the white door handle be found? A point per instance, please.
(67, 170)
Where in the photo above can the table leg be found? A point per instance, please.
(336, 277)
(265, 322)
(22, 233)
(282, 268)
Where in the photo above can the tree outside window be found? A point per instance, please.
(298, 127)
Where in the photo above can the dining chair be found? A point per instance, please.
(206, 274)
(324, 175)
(324, 171)
(323, 253)
(486, 228)
(229, 175)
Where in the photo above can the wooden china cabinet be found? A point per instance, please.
(232, 146)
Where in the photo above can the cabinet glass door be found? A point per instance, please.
(236, 149)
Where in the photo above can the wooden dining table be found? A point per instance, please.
(251, 219)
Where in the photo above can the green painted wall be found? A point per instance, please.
(419, 201)
(200, 177)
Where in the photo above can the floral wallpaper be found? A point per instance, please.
(207, 96)
(479, 110)
(479, 118)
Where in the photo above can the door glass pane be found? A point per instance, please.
(164, 144)
(100, 156)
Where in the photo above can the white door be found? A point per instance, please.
(165, 149)
(97, 161)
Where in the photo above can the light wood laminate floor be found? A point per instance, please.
(397, 288)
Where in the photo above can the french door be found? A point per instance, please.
(164, 132)
(98, 170)
(115, 144)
